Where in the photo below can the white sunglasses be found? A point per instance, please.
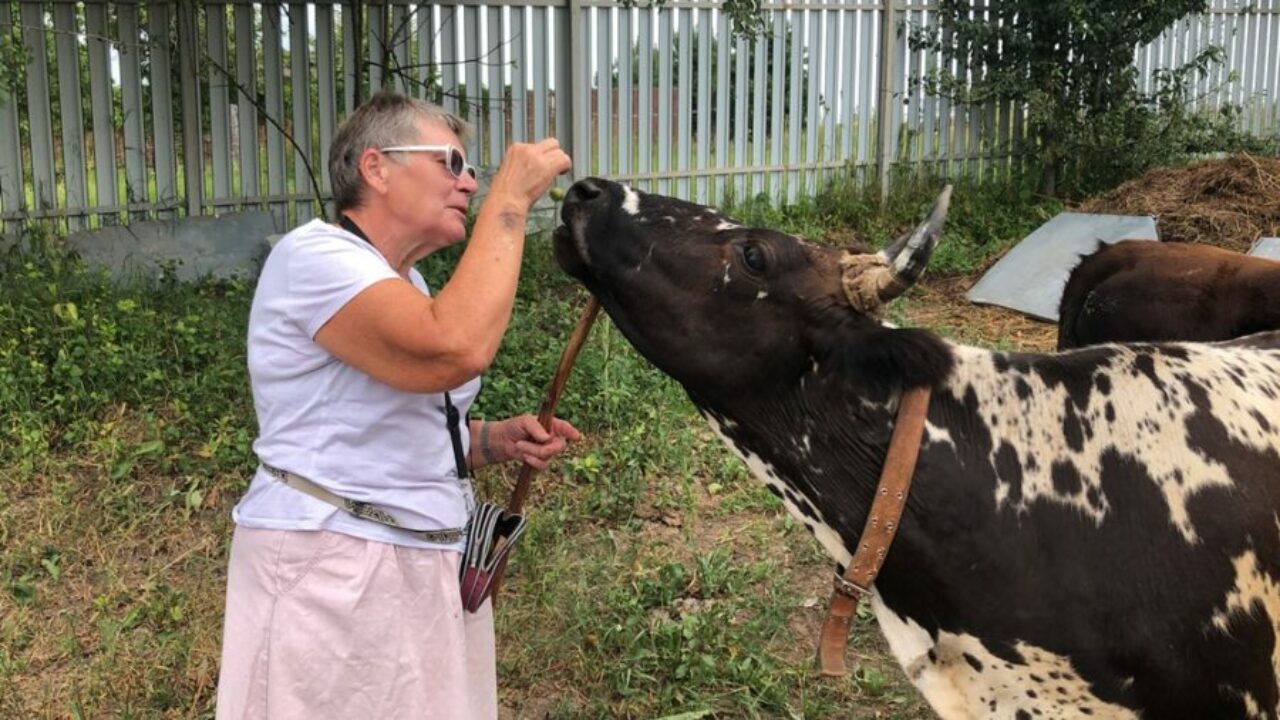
(453, 157)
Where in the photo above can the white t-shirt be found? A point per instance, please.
(331, 423)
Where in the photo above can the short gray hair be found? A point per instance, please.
(384, 120)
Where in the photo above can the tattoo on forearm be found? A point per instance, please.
(511, 220)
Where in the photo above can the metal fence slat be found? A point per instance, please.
(494, 97)
(1236, 56)
(378, 47)
(723, 94)
(1252, 85)
(977, 113)
(424, 30)
(40, 140)
(664, 97)
(215, 21)
(401, 35)
(759, 96)
(847, 84)
(350, 63)
(741, 92)
(604, 94)
(564, 51)
(812, 96)
(326, 100)
(160, 32)
(946, 113)
(246, 99)
(273, 82)
(518, 61)
(100, 99)
(830, 71)
(300, 78)
(684, 107)
(777, 115)
(73, 160)
(582, 87)
(541, 61)
(192, 139)
(795, 91)
(703, 134)
(1274, 63)
(473, 96)
(11, 195)
(135, 167)
(626, 91)
(448, 30)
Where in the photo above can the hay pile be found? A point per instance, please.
(1229, 203)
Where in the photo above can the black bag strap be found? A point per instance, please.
(452, 417)
(350, 226)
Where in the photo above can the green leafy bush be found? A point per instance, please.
(77, 348)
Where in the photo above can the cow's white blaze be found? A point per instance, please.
(630, 201)
(1149, 424)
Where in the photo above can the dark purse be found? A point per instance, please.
(490, 532)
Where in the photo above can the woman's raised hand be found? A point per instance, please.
(528, 169)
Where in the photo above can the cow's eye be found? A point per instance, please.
(753, 256)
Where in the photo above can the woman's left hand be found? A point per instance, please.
(523, 438)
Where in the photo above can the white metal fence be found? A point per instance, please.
(132, 110)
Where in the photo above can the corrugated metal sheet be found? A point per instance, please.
(1030, 277)
(1267, 247)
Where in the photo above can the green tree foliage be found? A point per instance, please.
(13, 63)
(786, 37)
(747, 16)
(1070, 63)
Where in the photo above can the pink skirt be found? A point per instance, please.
(324, 625)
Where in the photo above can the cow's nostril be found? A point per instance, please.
(583, 191)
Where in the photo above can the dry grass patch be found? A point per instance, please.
(1229, 202)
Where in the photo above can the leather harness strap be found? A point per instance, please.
(878, 533)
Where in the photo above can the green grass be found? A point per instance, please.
(656, 579)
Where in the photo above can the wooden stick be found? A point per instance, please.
(548, 409)
(545, 414)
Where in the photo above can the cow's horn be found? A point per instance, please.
(873, 280)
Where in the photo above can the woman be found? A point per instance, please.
(342, 590)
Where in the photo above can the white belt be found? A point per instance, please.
(362, 510)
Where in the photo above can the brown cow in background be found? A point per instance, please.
(1136, 291)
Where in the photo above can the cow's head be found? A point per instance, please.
(726, 310)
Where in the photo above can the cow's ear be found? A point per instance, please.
(890, 357)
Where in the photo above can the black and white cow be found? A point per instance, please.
(1089, 534)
